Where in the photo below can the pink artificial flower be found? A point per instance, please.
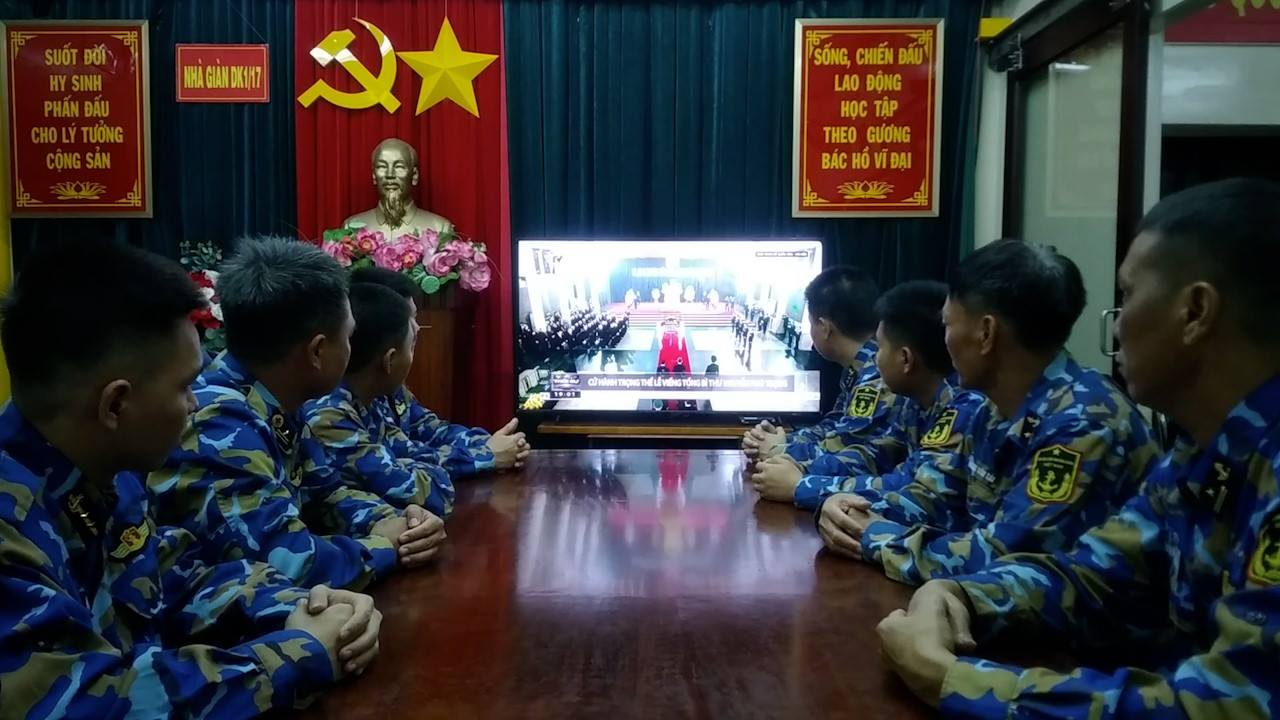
(339, 252)
(430, 240)
(480, 258)
(475, 277)
(411, 257)
(460, 249)
(368, 241)
(388, 256)
(441, 264)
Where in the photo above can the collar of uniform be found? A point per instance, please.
(1197, 471)
(401, 394)
(1248, 422)
(1062, 369)
(866, 355)
(945, 395)
(21, 440)
(343, 395)
(237, 373)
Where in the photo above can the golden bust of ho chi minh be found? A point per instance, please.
(395, 174)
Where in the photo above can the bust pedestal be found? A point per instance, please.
(432, 376)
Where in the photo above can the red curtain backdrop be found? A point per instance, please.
(463, 161)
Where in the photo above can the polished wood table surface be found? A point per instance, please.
(629, 584)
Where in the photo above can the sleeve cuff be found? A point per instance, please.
(877, 534)
(978, 689)
(296, 664)
(988, 611)
(381, 555)
(813, 490)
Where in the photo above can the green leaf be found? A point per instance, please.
(452, 276)
(429, 283)
(416, 273)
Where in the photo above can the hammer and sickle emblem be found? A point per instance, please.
(377, 90)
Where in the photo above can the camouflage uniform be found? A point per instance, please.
(865, 358)
(96, 598)
(375, 455)
(885, 459)
(866, 408)
(240, 483)
(1073, 452)
(459, 449)
(1190, 568)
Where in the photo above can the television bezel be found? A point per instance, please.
(827, 370)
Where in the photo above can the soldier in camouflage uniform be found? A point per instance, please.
(1182, 584)
(841, 307)
(842, 325)
(1054, 452)
(914, 364)
(245, 478)
(367, 452)
(98, 599)
(461, 450)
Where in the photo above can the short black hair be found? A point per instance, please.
(382, 319)
(398, 282)
(1227, 232)
(277, 293)
(911, 314)
(845, 295)
(1032, 287)
(713, 358)
(78, 304)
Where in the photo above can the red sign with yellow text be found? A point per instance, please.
(79, 131)
(868, 96)
(222, 73)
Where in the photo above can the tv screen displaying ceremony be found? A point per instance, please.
(684, 326)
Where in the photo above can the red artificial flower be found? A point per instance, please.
(201, 280)
(204, 319)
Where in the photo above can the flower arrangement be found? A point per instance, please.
(431, 260)
(200, 260)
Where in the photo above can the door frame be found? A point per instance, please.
(1043, 35)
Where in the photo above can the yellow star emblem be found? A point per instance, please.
(447, 71)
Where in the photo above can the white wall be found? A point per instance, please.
(1221, 85)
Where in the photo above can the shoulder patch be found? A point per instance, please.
(1053, 474)
(863, 402)
(131, 541)
(1264, 566)
(940, 433)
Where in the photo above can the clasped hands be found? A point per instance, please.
(510, 448)
(842, 521)
(920, 643)
(417, 535)
(346, 623)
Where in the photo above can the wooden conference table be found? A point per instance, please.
(629, 584)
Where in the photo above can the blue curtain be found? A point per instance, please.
(220, 171)
(675, 119)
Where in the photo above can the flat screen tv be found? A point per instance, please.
(653, 328)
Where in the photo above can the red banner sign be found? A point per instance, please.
(79, 130)
(222, 73)
(1238, 22)
(868, 97)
